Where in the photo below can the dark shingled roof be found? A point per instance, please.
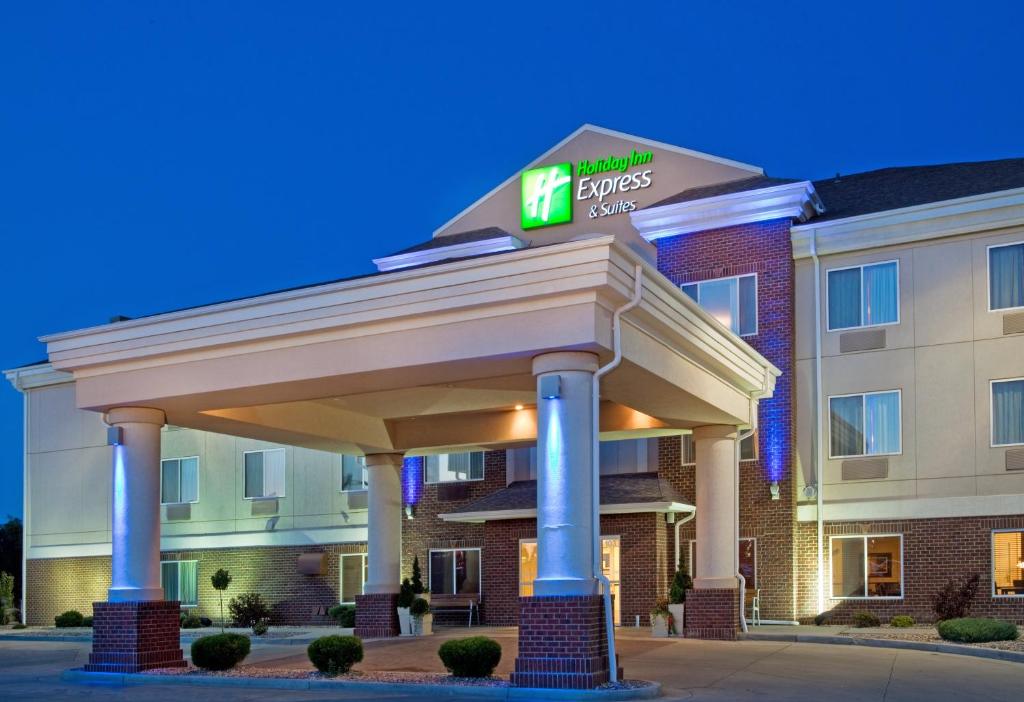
(615, 490)
(894, 188)
(726, 188)
(451, 239)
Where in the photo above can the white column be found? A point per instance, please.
(565, 444)
(384, 523)
(135, 506)
(716, 507)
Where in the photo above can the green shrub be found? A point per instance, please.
(248, 608)
(681, 582)
(70, 618)
(191, 620)
(220, 651)
(345, 615)
(902, 621)
(12, 616)
(977, 630)
(473, 657)
(419, 607)
(19, 625)
(405, 594)
(87, 621)
(863, 620)
(261, 627)
(822, 618)
(335, 654)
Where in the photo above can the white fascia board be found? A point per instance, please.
(933, 220)
(198, 542)
(440, 253)
(503, 514)
(797, 201)
(36, 377)
(916, 508)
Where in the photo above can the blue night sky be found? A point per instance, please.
(162, 155)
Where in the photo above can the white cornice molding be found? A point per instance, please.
(625, 508)
(916, 508)
(797, 201)
(933, 220)
(38, 376)
(441, 253)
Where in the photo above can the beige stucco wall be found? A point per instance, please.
(941, 355)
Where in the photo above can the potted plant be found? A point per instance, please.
(405, 599)
(681, 582)
(661, 619)
(422, 619)
(417, 580)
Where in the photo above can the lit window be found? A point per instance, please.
(179, 480)
(264, 474)
(455, 571)
(748, 449)
(747, 562)
(180, 580)
(867, 566)
(354, 571)
(864, 425)
(732, 301)
(1008, 412)
(527, 566)
(1006, 276)
(1008, 563)
(863, 296)
(454, 467)
(611, 566)
(353, 474)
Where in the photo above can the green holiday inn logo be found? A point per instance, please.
(547, 196)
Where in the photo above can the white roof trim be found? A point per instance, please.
(36, 376)
(625, 508)
(440, 253)
(607, 132)
(789, 200)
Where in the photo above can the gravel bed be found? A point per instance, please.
(929, 635)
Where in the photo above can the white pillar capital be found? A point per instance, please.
(384, 522)
(565, 361)
(135, 415)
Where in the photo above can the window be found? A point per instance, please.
(264, 474)
(732, 301)
(747, 562)
(1008, 563)
(353, 474)
(611, 560)
(354, 572)
(748, 449)
(1006, 276)
(867, 566)
(1008, 412)
(180, 580)
(179, 480)
(864, 425)
(527, 566)
(455, 571)
(453, 467)
(864, 296)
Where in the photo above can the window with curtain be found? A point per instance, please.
(863, 296)
(1008, 563)
(180, 580)
(748, 449)
(453, 467)
(1006, 276)
(1008, 412)
(867, 566)
(264, 473)
(455, 571)
(866, 424)
(732, 301)
(353, 576)
(179, 480)
(353, 474)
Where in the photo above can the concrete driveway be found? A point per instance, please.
(689, 670)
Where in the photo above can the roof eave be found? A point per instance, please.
(624, 508)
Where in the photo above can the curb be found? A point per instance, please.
(930, 647)
(428, 690)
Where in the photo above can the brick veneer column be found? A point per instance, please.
(561, 642)
(712, 613)
(377, 615)
(129, 637)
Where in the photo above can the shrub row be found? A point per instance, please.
(976, 630)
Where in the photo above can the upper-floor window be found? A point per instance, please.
(453, 467)
(732, 301)
(1006, 276)
(264, 473)
(353, 474)
(864, 296)
(866, 424)
(1008, 412)
(180, 580)
(179, 480)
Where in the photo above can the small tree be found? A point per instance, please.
(954, 600)
(681, 582)
(417, 576)
(220, 581)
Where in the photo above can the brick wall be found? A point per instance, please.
(933, 551)
(712, 614)
(562, 643)
(763, 248)
(129, 637)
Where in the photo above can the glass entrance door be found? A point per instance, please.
(610, 561)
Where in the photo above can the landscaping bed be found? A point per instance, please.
(924, 634)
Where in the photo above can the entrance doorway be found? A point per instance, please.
(611, 555)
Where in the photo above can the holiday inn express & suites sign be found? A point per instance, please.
(548, 193)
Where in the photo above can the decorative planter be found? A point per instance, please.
(404, 621)
(677, 611)
(659, 626)
(423, 626)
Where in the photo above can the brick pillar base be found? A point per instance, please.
(712, 613)
(129, 637)
(562, 642)
(377, 615)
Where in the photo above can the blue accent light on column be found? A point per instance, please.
(412, 480)
(773, 433)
